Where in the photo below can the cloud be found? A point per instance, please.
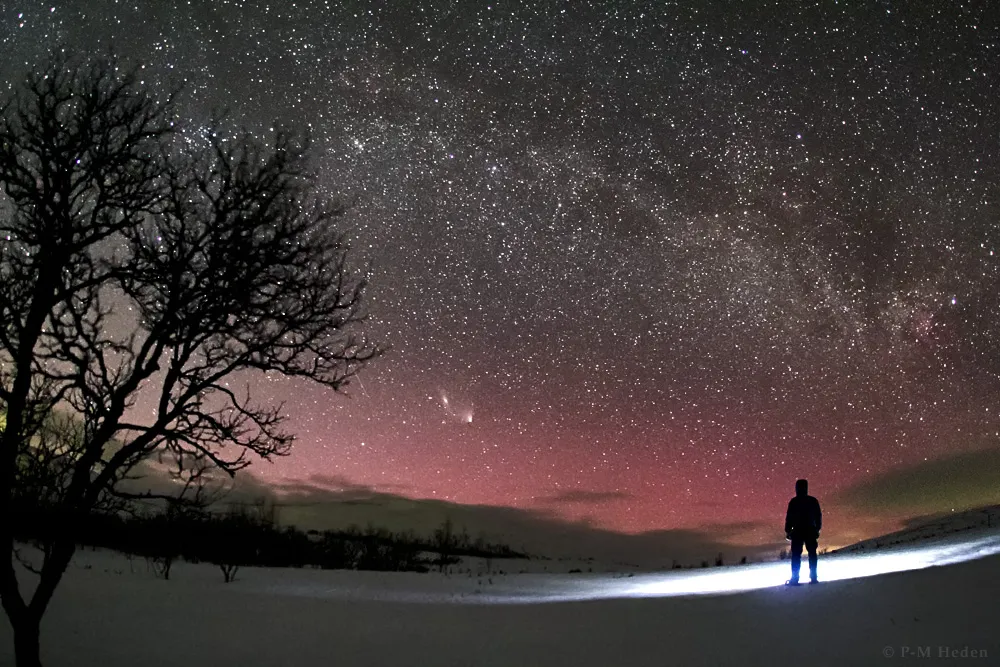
(325, 502)
(961, 481)
(343, 486)
(742, 528)
(539, 531)
(582, 496)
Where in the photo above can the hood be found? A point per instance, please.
(802, 487)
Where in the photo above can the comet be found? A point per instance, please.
(453, 411)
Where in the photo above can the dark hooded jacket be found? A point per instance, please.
(804, 518)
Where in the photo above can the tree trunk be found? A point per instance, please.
(26, 651)
(26, 620)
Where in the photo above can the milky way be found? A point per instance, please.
(680, 254)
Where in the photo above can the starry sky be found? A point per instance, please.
(645, 263)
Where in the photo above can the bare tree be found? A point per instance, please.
(229, 571)
(142, 263)
(445, 542)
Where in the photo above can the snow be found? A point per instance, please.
(981, 521)
(936, 595)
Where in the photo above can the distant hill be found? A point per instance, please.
(934, 527)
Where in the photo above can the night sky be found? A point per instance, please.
(643, 262)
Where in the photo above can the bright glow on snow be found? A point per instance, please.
(540, 588)
(831, 568)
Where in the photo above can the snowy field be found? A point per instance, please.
(916, 603)
(980, 521)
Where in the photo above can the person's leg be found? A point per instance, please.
(811, 547)
(796, 558)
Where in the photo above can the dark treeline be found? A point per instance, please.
(247, 535)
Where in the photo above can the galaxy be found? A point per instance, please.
(648, 261)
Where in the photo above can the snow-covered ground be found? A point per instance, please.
(110, 611)
(952, 526)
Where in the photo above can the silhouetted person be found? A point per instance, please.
(802, 525)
